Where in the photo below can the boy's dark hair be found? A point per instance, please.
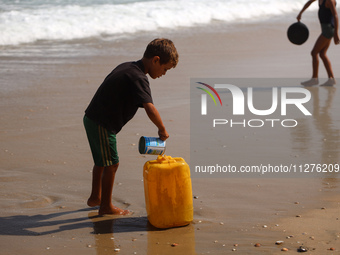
(164, 49)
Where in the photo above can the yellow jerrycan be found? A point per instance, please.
(168, 192)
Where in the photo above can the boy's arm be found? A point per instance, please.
(155, 117)
(304, 8)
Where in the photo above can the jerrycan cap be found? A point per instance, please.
(163, 159)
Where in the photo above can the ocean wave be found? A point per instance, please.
(68, 22)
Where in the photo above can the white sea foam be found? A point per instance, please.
(60, 20)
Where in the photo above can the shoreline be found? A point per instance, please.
(46, 167)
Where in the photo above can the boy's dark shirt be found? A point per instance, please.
(120, 95)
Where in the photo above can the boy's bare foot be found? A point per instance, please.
(329, 82)
(92, 202)
(113, 210)
(311, 82)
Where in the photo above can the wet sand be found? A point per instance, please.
(46, 162)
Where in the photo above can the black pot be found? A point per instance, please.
(298, 33)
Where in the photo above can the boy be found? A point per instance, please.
(116, 101)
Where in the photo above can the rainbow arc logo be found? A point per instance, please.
(204, 97)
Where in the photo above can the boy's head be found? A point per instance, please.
(164, 49)
(162, 56)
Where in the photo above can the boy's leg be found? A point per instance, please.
(106, 206)
(104, 151)
(95, 197)
(102, 186)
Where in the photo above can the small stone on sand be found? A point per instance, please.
(302, 249)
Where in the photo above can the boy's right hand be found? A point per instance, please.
(163, 134)
(154, 116)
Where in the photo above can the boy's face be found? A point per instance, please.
(157, 70)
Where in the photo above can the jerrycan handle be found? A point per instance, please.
(163, 159)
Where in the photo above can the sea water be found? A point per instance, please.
(29, 21)
(35, 34)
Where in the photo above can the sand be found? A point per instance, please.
(46, 162)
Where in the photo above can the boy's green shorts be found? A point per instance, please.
(102, 143)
